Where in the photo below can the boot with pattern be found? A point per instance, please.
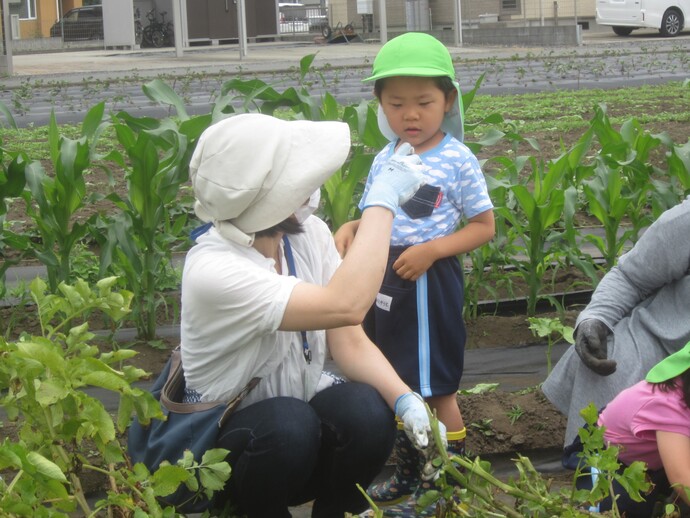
(409, 508)
(406, 477)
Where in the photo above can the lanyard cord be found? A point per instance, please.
(291, 271)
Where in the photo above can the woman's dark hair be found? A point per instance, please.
(668, 385)
(444, 83)
(288, 226)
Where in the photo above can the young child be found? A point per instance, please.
(650, 422)
(417, 317)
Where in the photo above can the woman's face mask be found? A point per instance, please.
(309, 207)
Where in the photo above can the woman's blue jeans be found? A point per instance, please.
(286, 452)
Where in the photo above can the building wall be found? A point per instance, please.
(46, 16)
(443, 12)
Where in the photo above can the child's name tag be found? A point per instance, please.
(384, 301)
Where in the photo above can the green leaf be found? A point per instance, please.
(167, 479)
(45, 466)
(214, 456)
(480, 388)
(161, 92)
(213, 477)
(50, 391)
(93, 120)
(8, 115)
(44, 354)
(106, 380)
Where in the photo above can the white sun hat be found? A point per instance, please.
(250, 172)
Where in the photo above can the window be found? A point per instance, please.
(27, 10)
(510, 6)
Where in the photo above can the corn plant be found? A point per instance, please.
(54, 201)
(255, 95)
(342, 190)
(622, 178)
(12, 183)
(42, 382)
(533, 222)
(140, 236)
(668, 194)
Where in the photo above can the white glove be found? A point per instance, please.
(411, 410)
(399, 180)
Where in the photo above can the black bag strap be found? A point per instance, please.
(173, 390)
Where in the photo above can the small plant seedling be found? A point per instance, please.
(553, 330)
(515, 413)
(484, 427)
(479, 388)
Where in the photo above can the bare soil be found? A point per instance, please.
(497, 422)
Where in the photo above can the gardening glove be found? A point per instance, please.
(411, 410)
(399, 180)
(590, 345)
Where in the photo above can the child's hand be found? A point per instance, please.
(413, 262)
(344, 236)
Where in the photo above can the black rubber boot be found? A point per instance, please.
(406, 477)
(409, 508)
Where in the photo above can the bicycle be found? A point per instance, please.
(138, 27)
(157, 33)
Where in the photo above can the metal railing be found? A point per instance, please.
(302, 19)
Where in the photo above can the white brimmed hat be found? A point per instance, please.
(250, 172)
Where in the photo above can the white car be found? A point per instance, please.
(624, 16)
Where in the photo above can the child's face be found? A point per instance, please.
(414, 108)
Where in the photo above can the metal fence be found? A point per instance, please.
(442, 14)
(299, 19)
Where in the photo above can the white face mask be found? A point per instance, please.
(308, 208)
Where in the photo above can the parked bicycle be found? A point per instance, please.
(157, 33)
(138, 27)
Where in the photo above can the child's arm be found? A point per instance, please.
(417, 259)
(345, 235)
(674, 449)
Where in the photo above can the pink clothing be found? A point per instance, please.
(634, 416)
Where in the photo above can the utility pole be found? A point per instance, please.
(383, 22)
(177, 23)
(458, 22)
(242, 28)
(6, 67)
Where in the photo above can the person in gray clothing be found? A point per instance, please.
(638, 315)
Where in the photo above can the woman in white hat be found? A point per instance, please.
(266, 295)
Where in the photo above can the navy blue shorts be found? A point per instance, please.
(418, 325)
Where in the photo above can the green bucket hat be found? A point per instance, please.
(670, 367)
(419, 55)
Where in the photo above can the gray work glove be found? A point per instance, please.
(590, 345)
(398, 181)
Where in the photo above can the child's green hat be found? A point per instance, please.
(419, 55)
(413, 54)
(670, 367)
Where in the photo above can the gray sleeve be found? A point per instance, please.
(660, 257)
